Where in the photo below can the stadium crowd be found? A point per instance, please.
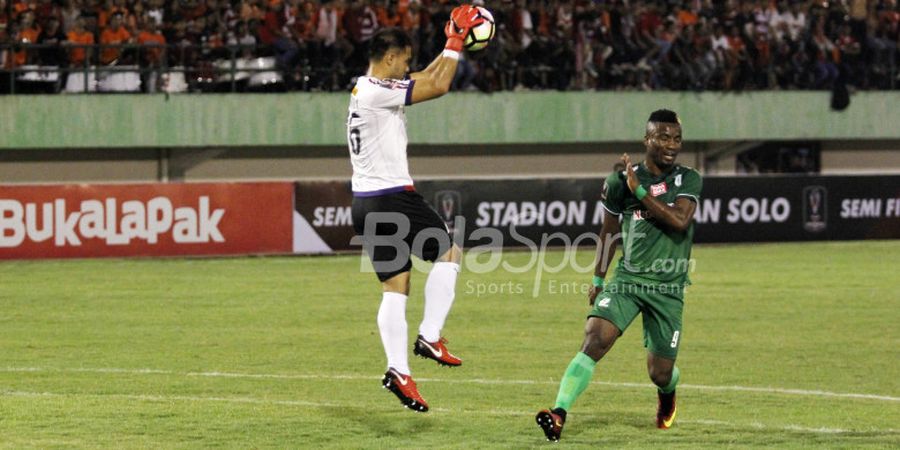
(540, 44)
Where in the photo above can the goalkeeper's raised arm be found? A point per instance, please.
(435, 80)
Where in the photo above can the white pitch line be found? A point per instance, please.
(552, 382)
(699, 387)
(813, 393)
(761, 426)
(87, 370)
(490, 412)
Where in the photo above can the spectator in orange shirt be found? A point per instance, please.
(100, 10)
(20, 7)
(152, 41)
(152, 52)
(79, 36)
(114, 34)
(28, 34)
(687, 16)
(105, 12)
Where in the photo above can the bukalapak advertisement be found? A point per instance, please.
(154, 219)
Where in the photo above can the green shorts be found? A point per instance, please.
(660, 306)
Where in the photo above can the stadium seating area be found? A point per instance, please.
(222, 45)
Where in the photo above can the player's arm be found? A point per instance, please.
(435, 80)
(612, 197)
(428, 70)
(606, 249)
(677, 217)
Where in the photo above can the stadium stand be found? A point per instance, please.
(312, 45)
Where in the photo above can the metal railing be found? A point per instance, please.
(201, 67)
(235, 68)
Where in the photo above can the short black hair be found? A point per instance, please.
(664, 116)
(387, 39)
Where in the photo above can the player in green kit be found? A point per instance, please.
(656, 200)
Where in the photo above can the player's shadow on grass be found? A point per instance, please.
(588, 424)
(384, 423)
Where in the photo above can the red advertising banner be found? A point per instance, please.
(81, 221)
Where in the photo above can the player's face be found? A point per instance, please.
(663, 143)
(399, 62)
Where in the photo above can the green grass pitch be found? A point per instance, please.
(792, 345)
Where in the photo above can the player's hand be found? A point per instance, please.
(452, 32)
(466, 17)
(593, 293)
(462, 19)
(633, 182)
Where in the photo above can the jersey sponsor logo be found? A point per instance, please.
(658, 189)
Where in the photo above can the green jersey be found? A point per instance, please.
(653, 254)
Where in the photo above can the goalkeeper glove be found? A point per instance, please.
(462, 19)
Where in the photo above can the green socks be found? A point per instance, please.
(576, 379)
(578, 375)
(676, 374)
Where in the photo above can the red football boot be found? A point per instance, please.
(404, 388)
(436, 351)
(665, 411)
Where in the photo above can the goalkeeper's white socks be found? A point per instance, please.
(440, 289)
(392, 325)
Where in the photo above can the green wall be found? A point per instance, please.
(217, 120)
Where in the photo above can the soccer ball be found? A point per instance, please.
(479, 36)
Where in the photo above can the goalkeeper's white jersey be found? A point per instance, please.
(376, 136)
